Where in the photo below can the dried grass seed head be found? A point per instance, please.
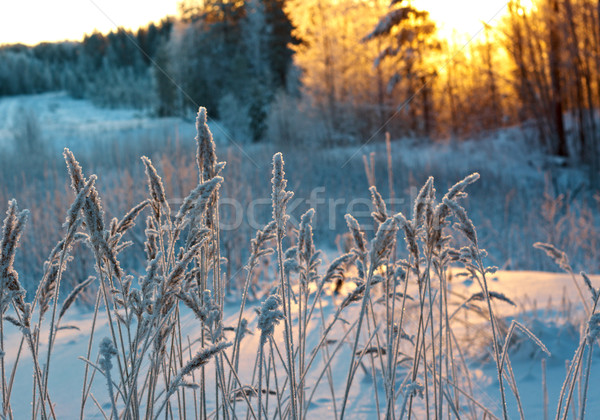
(594, 292)
(262, 237)
(384, 241)
(202, 357)
(360, 243)
(479, 296)
(107, 351)
(593, 328)
(337, 267)
(128, 221)
(93, 213)
(73, 213)
(206, 156)
(74, 294)
(455, 192)
(155, 187)
(151, 243)
(379, 208)
(280, 197)
(176, 276)
(270, 315)
(47, 287)
(461, 185)
(423, 200)
(305, 236)
(92, 210)
(13, 291)
(464, 223)
(75, 171)
(12, 229)
(198, 199)
(410, 236)
(559, 257)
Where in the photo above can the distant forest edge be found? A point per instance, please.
(340, 72)
(111, 69)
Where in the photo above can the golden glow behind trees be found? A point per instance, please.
(540, 65)
(507, 74)
(408, 37)
(403, 77)
(338, 74)
(555, 51)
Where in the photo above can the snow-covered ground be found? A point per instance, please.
(541, 298)
(79, 124)
(549, 305)
(546, 303)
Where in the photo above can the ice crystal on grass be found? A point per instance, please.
(280, 197)
(206, 156)
(270, 315)
(336, 268)
(594, 292)
(559, 257)
(305, 236)
(14, 223)
(107, 351)
(423, 200)
(78, 203)
(360, 244)
(201, 358)
(75, 171)
(128, 221)
(258, 244)
(464, 223)
(156, 188)
(198, 199)
(383, 242)
(379, 208)
(594, 328)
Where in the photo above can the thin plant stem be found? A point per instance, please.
(286, 294)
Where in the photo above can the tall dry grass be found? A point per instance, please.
(397, 324)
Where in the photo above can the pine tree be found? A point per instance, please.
(408, 36)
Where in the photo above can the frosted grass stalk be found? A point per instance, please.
(107, 351)
(381, 246)
(544, 389)
(593, 333)
(280, 198)
(270, 315)
(53, 282)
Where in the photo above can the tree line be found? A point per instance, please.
(341, 71)
(111, 69)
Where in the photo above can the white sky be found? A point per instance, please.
(33, 21)
(463, 17)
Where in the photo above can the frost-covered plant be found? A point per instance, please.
(394, 323)
(269, 316)
(107, 351)
(588, 339)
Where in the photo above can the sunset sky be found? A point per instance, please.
(33, 21)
